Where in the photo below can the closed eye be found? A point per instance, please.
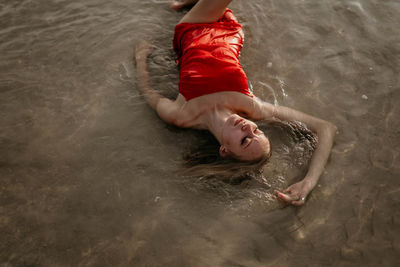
(246, 141)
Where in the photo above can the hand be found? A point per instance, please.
(295, 194)
(143, 49)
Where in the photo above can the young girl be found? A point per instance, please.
(214, 93)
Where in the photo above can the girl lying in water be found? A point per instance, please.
(214, 93)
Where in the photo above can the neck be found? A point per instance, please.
(215, 120)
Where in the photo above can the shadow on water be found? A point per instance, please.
(89, 172)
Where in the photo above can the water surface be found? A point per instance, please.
(88, 172)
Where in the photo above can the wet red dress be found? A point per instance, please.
(208, 57)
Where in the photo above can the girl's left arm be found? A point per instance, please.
(325, 131)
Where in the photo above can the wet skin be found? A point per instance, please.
(242, 139)
(239, 138)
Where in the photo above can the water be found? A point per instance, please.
(89, 173)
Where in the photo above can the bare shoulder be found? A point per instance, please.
(246, 106)
(180, 112)
(170, 111)
(253, 107)
(188, 114)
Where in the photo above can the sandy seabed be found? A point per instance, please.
(88, 171)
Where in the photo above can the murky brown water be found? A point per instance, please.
(88, 171)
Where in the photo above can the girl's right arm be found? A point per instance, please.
(167, 110)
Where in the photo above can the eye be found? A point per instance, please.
(246, 141)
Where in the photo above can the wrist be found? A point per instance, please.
(309, 183)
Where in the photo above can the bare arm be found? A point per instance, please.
(166, 109)
(325, 131)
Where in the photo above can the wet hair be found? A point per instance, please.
(203, 161)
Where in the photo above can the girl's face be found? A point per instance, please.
(243, 140)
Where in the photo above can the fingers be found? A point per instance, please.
(289, 198)
(299, 202)
(287, 190)
(284, 197)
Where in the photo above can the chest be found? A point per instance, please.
(195, 113)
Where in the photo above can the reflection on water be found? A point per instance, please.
(88, 171)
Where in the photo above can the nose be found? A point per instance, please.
(246, 127)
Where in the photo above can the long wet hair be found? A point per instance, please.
(203, 160)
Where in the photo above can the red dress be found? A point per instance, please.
(208, 57)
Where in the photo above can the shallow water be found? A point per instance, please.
(89, 173)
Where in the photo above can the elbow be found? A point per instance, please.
(181, 123)
(332, 127)
(169, 120)
(178, 122)
(327, 128)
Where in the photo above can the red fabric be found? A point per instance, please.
(208, 57)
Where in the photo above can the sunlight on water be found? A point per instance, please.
(90, 174)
